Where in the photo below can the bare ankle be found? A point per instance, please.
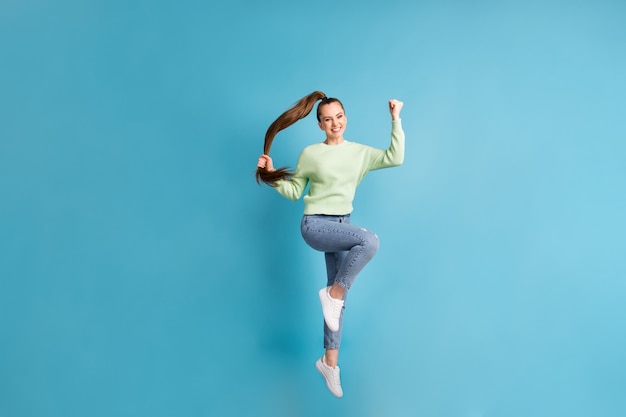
(336, 291)
(330, 357)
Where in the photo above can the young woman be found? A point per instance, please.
(332, 169)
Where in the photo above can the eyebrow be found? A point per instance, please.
(324, 117)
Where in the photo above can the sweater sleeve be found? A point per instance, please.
(394, 155)
(294, 187)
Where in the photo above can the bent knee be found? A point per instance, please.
(372, 243)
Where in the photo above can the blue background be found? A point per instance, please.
(145, 273)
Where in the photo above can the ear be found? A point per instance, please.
(320, 125)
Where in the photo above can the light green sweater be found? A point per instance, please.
(334, 171)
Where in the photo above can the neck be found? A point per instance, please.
(333, 141)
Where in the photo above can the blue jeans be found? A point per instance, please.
(347, 249)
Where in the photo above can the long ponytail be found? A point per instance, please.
(299, 111)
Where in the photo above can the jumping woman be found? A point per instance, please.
(332, 169)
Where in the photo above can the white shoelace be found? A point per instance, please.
(334, 372)
(336, 379)
(337, 306)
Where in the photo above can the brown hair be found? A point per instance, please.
(300, 110)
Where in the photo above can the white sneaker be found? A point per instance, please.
(331, 308)
(331, 375)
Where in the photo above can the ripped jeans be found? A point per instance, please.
(347, 249)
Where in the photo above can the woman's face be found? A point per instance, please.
(333, 121)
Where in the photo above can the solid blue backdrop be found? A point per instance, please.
(144, 272)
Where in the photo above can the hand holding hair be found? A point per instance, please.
(265, 161)
(394, 108)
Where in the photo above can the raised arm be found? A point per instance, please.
(395, 106)
(394, 155)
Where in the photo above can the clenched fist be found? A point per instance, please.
(394, 108)
(265, 162)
